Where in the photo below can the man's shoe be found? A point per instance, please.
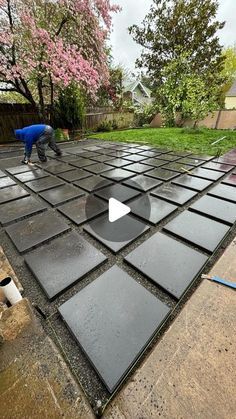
(24, 161)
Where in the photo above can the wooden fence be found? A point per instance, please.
(13, 116)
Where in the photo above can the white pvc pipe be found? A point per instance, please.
(10, 290)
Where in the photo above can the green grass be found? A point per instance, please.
(176, 139)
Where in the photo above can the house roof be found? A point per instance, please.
(131, 86)
(232, 90)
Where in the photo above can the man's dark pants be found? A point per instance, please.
(47, 138)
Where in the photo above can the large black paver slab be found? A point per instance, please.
(159, 209)
(198, 230)
(150, 153)
(117, 153)
(6, 181)
(80, 163)
(119, 162)
(83, 209)
(162, 174)
(143, 183)
(207, 174)
(168, 263)
(120, 192)
(221, 167)
(20, 208)
(169, 157)
(11, 193)
(135, 158)
(103, 158)
(48, 182)
(110, 234)
(230, 180)
(31, 175)
(178, 167)
(21, 169)
(93, 183)
(216, 208)
(61, 194)
(75, 174)
(98, 168)
(226, 192)
(191, 162)
(118, 174)
(138, 168)
(174, 193)
(36, 230)
(54, 167)
(62, 262)
(155, 162)
(192, 182)
(202, 157)
(113, 319)
(2, 174)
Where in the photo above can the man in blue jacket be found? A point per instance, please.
(41, 136)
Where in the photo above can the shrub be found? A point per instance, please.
(69, 111)
(105, 126)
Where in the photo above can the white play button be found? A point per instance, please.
(117, 210)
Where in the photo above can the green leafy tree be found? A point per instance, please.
(172, 28)
(228, 72)
(184, 93)
(69, 109)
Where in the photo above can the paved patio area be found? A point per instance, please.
(56, 234)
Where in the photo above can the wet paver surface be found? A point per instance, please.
(108, 287)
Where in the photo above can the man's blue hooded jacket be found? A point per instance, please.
(29, 135)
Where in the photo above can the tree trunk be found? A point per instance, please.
(42, 109)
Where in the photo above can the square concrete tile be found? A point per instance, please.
(6, 181)
(92, 148)
(75, 174)
(230, 180)
(155, 162)
(2, 174)
(98, 168)
(162, 174)
(117, 153)
(191, 182)
(64, 261)
(142, 183)
(135, 158)
(180, 153)
(40, 185)
(96, 314)
(169, 157)
(36, 230)
(119, 162)
(174, 193)
(61, 194)
(102, 158)
(87, 154)
(215, 208)
(31, 175)
(15, 210)
(77, 212)
(21, 169)
(159, 209)
(93, 183)
(120, 192)
(11, 193)
(221, 167)
(191, 162)
(151, 153)
(167, 262)
(101, 229)
(178, 167)
(134, 150)
(54, 167)
(225, 192)
(206, 174)
(138, 168)
(67, 158)
(80, 163)
(118, 174)
(198, 230)
(203, 157)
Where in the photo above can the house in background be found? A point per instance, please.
(230, 97)
(135, 91)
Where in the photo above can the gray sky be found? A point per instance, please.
(125, 50)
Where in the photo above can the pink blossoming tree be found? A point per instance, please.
(47, 44)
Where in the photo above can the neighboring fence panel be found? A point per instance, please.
(224, 119)
(13, 116)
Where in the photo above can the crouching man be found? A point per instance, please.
(40, 135)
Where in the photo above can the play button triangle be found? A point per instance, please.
(117, 210)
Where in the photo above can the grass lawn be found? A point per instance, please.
(176, 139)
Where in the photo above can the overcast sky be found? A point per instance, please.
(125, 50)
